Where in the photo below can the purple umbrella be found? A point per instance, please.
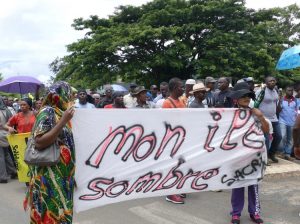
(20, 84)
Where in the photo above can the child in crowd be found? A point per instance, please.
(242, 96)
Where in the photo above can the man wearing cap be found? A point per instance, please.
(199, 92)
(186, 98)
(210, 84)
(141, 98)
(129, 99)
(82, 100)
(108, 97)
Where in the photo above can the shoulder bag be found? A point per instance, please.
(173, 104)
(46, 157)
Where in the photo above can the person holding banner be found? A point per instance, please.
(176, 89)
(50, 192)
(23, 121)
(7, 168)
(242, 94)
(118, 101)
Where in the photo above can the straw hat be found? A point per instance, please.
(199, 87)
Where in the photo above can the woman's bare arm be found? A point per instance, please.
(264, 124)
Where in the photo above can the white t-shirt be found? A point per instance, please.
(84, 106)
(129, 101)
(159, 103)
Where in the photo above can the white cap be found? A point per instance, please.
(247, 79)
(190, 82)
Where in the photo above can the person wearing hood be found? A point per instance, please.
(50, 192)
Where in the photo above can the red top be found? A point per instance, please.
(23, 124)
(109, 106)
(172, 103)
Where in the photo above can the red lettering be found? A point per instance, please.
(147, 180)
(109, 191)
(93, 186)
(241, 117)
(170, 133)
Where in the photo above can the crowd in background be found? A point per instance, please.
(275, 111)
(279, 109)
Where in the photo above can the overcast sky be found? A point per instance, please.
(35, 32)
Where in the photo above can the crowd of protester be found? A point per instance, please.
(274, 111)
(279, 109)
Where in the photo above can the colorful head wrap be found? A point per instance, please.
(59, 95)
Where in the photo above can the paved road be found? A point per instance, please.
(280, 197)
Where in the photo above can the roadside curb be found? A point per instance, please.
(282, 169)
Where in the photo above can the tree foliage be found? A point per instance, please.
(183, 38)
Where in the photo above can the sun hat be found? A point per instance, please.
(241, 89)
(138, 90)
(199, 87)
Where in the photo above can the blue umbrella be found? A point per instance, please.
(119, 88)
(289, 59)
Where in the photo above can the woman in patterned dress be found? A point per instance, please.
(50, 192)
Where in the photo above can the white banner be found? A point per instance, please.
(137, 153)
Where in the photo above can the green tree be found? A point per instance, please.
(183, 38)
